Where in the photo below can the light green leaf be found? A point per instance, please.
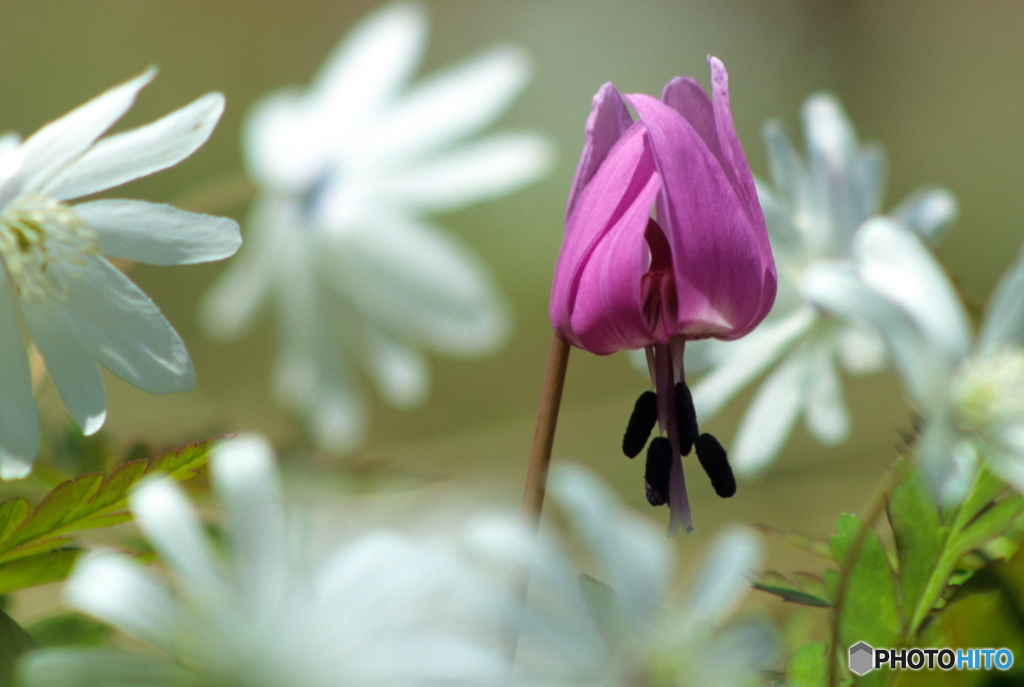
(808, 667)
(69, 629)
(869, 612)
(42, 568)
(31, 540)
(919, 533)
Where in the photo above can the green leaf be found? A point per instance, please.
(808, 667)
(14, 641)
(42, 568)
(990, 524)
(869, 612)
(33, 542)
(919, 533)
(69, 629)
(805, 589)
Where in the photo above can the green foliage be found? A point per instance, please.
(903, 589)
(14, 641)
(34, 544)
(69, 629)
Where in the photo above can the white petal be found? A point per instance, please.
(60, 142)
(895, 263)
(771, 415)
(70, 364)
(487, 168)
(825, 413)
(19, 420)
(631, 552)
(743, 360)
(452, 105)
(949, 462)
(124, 330)
(371, 64)
(279, 149)
(172, 527)
(724, 577)
(233, 301)
(789, 175)
(832, 151)
(1004, 315)
(929, 212)
(400, 372)
(132, 154)
(415, 281)
(861, 349)
(310, 376)
(122, 593)
(159, 234)
(924, 366)
(248, 488)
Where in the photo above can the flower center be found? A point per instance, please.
(988, 391)
(37, 235)
(658, 286)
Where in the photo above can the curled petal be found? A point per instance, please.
(608, 120)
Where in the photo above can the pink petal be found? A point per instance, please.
(608, 120)
(595, 298)
(724, 272)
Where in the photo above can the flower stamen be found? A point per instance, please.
(38, 233)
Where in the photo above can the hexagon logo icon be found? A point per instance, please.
(861, 658)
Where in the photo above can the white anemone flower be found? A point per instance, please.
(813, 211)
(627, 628)
(251, 610)
(969, 390)
(338, 239)
(78, 309)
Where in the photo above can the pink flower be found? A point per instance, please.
(702, 268)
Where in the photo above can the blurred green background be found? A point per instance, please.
(940, 83)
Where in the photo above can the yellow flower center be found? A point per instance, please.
(37, 234)
(988, 391)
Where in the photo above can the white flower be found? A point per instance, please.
(338, 242)
(969, 391)
(813, 213)
(383, 609)
(78, 309)
(625, 629)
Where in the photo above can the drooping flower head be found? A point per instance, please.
(700, 268)
(79, 310)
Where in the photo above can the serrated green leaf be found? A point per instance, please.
(870, 612)
(14, 641)
(42, 568)
(808, 590)
(31, 537)
(919, 533)
(35, 547)
(808, 667)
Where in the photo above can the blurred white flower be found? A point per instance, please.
(970, 392)
(338, 240)
(813, 213)
(382, 610)
(78, 309)
(623, 628)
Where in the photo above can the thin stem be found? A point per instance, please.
(847, 565)
(537, 470)
(544, 433)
